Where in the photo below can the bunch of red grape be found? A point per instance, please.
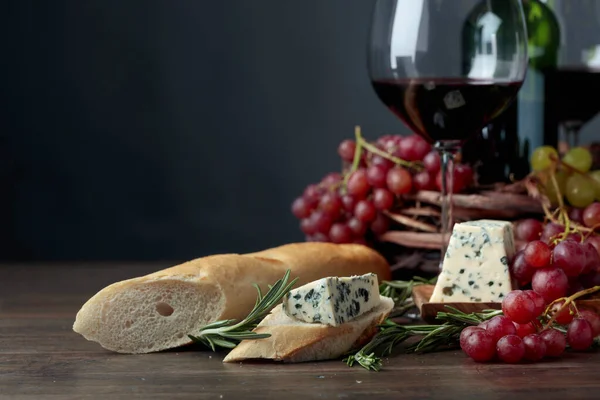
(518, 334)
(349, 207)
(553, 262)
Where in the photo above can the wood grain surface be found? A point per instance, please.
(41, 357)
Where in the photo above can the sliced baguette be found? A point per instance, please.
(159, 310)
(297, 341)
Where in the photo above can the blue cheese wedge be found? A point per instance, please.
(475, 267)
(333, 300)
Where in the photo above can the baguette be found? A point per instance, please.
(158, 311)
(293, 340)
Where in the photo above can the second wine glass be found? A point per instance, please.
(447, 68)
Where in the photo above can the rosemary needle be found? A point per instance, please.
(432, 337)
(228, 333)
(401, 292)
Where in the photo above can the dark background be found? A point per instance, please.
(174, 129)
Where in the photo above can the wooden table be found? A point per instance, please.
(41, 357)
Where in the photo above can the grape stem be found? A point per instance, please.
(361, 142)
(357, 155)
(567, 302)
(561, 217)
(567, 166)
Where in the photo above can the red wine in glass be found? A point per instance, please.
(446, 109)
(419, 70)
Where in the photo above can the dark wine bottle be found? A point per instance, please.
(567, 109)
(502, 150)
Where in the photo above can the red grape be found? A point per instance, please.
(528, 230)
(551, 230)
(510, 349)
(555, 342)
(331, 179)
(357, 226)
(594, 241)
(568, 256)
(525, 329)
(463, 176)
(484, 324)
(412, 148)
(591, 215)
(519, 307)
(318, 237)
(579, 334)
(537, 254)
(346, 150)
(538, 301)
(593, 319)
(562, 316)
(380, 225)
(381, 162)
(312, 195)
(576, 215)
(456, 185)
(480, 346)
(349, 202)
(520, 270)
(592, 259)
(389, 142)
(362, 241)
(365, 211)
(322, 221)
(500, 326)
(535, 347)
(432, 162)
(551, 283)
(340, 233)
(399, 181)
(358, 184)
(307, 225)
(376, 176)
(301, 208)
(465, 333)
(423, 181)
(383, 199)
(331, 204)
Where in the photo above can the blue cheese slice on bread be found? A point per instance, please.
(476, 264)
(333, 300)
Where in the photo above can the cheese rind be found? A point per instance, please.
(476, 263)
(333, 300)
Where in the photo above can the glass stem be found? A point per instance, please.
(447, 151)
(572, 132)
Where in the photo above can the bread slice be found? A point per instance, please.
(293, 340)
(158, 311)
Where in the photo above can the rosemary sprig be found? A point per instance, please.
(433, 337)
(228, 334)
(401, 293)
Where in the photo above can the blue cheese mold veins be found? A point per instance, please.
(333, 300)
(476, 263)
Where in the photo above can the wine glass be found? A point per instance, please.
(446, 68)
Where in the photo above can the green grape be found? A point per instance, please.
(579, 192)
(579, 158)
(595, 175)
(561, 179)
(541, 158)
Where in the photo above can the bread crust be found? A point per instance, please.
(227, 280)
(296, 341)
